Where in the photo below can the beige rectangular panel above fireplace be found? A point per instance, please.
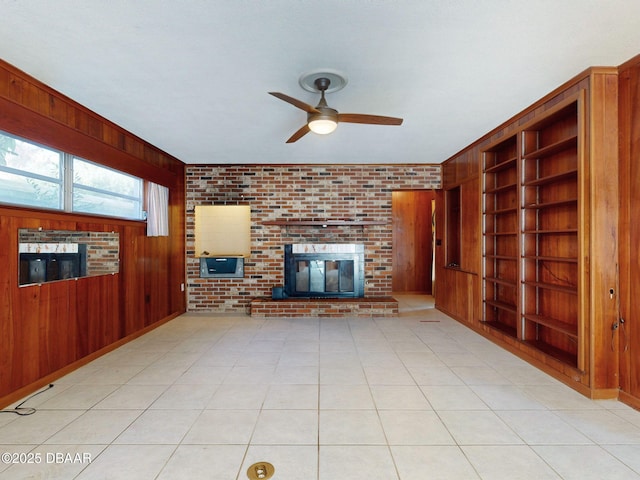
(222, 231)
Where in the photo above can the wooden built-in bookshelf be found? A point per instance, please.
(547, 266)
(531, 229)
(500, 235)
(551, 229)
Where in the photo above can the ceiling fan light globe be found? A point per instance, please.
(323, 126)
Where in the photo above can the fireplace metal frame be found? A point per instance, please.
(291, 259)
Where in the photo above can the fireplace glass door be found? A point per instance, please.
(324, 276)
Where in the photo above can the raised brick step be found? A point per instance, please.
(325, 307)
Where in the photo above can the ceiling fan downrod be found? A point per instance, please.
(322, 84)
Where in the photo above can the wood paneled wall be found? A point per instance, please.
(50, 329)
(629, 230)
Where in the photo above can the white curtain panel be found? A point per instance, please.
(157, 210)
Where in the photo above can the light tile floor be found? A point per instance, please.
(414, 397)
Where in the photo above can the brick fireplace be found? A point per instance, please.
(347, 204)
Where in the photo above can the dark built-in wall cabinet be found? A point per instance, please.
(547, 262)
(458, 237)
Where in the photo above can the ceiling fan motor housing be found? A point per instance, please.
(326, 113)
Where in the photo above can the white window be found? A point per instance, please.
(30, 174)
(36, 176)
(104, 191)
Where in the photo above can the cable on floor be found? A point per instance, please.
(24, 411)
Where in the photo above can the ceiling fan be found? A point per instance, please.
(323, 119)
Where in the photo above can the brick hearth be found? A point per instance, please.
(325, 307)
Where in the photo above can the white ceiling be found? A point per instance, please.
(192, 76)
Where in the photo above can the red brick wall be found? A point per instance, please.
(302, 192)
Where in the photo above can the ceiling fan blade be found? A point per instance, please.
(295, 102)
(299, 134)
(368, 119)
